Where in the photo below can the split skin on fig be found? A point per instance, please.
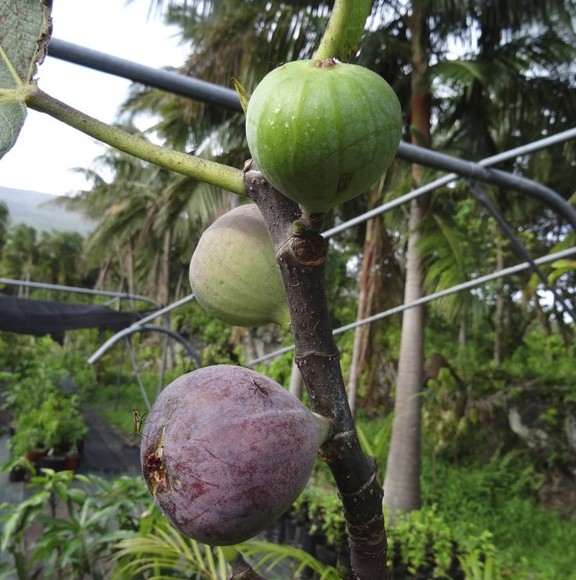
(225, 451)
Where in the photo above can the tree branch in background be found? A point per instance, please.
(301, 253)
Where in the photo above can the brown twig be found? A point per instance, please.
(300, 254)
(241, 570)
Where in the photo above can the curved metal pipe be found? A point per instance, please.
(145, 327)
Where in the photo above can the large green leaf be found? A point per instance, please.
(25, 27)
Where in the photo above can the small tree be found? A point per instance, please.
(299, 247)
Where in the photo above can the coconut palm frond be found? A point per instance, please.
(165, 552)
(444, 249)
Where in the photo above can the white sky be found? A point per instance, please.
(47, 150)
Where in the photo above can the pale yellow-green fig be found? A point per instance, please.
(233, 272)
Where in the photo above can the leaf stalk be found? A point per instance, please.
(211, 172)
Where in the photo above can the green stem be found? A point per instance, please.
(334, 33)
(217, 174)
(345, 28)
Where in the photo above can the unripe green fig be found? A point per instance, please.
(323, 132)
(225, 451)
(233, 272)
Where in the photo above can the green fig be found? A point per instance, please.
(323, 132)
(233, 272)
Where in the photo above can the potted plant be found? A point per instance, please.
(51, 434)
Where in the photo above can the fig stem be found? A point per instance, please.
(239, 568)
(318, 359)
(345, 29)
(217, 174)
(325, 428)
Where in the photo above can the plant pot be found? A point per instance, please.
(72, 461)
(18, 473)
(35, 455)
(55, 462)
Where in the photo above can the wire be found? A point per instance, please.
(425, 299)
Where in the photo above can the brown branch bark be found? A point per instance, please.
(241, 570)
(301, 254)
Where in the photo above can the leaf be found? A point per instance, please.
(25, 28)
(560, 268)
(269, 555)
(463, 71)
(242, 94)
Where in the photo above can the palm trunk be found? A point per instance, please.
(369, 298)
(402, 480)
(499, 323)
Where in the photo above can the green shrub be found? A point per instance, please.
(423, 543)
(93, 528)
(500, 496)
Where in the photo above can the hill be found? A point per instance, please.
(33, 209)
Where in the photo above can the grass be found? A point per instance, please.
(501, 497)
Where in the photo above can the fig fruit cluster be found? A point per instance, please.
(225, 451)
(233, 271)
(323, 132)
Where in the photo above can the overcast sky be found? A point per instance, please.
(47, 150)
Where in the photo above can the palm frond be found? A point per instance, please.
(443, 248)
(267, 556)
(165, 552)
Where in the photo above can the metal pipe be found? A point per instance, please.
(77, 290)
(483, 199)
(216, 94)
(148, 327)
(452, 290)
(172, 82)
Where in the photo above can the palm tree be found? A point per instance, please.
(20, 253)
(492, 106)
(402, 480)
(517, 89)
(59, 258)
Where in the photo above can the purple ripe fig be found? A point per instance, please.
(225, 451)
